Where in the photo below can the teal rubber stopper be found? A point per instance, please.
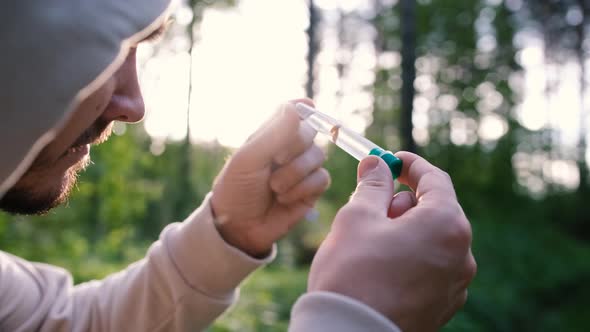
(395, 164)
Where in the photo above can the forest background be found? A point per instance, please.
(494, 92)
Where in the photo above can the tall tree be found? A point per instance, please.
(312, 48)
(408, 30)
(581, 32)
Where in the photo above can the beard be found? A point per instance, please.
(26, 199)
(39, 190)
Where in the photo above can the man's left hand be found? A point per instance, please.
(270, 183)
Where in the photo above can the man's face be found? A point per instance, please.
(50, 178)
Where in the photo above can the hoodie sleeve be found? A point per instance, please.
(188, 278)
(327, 312)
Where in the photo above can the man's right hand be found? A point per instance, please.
(409, 256)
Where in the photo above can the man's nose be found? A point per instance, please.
(126, 104)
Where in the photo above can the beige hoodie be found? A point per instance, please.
(188, 277)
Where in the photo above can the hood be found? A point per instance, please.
(54, 54)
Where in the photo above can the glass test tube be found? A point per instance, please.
(353, 143)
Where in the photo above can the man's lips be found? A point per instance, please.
(79, 149)
(84, 148)
(74, 155)
(94, 135)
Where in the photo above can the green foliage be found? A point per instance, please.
(533, 252)
(525, 271)
(266, 300)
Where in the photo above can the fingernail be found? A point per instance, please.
(367, 165)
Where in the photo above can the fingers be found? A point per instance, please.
(375, 185)
(305, 101)
(292, 173)
(311, 186)
(401, 202)
(297, 144)
(459, 291)
(469, 271)
(304, 139)
(460, 300)
(272, 139)
(291, 215)
(426, 180)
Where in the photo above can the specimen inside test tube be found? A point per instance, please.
(353, 143)
(334, 131)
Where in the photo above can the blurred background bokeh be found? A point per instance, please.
(495, 92)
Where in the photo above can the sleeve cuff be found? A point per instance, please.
(315, 311)
(204, 259)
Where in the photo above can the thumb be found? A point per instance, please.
(270, 139)
(375, 186)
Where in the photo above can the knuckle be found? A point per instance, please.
(349, 211)
(470, 269)
(371, 184)
(462, 233)
(458, 229)
(444, 175)
(353, 213)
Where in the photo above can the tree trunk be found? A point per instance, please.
(312, 49)
(184, 201)
(408, 30)
(581, 57)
